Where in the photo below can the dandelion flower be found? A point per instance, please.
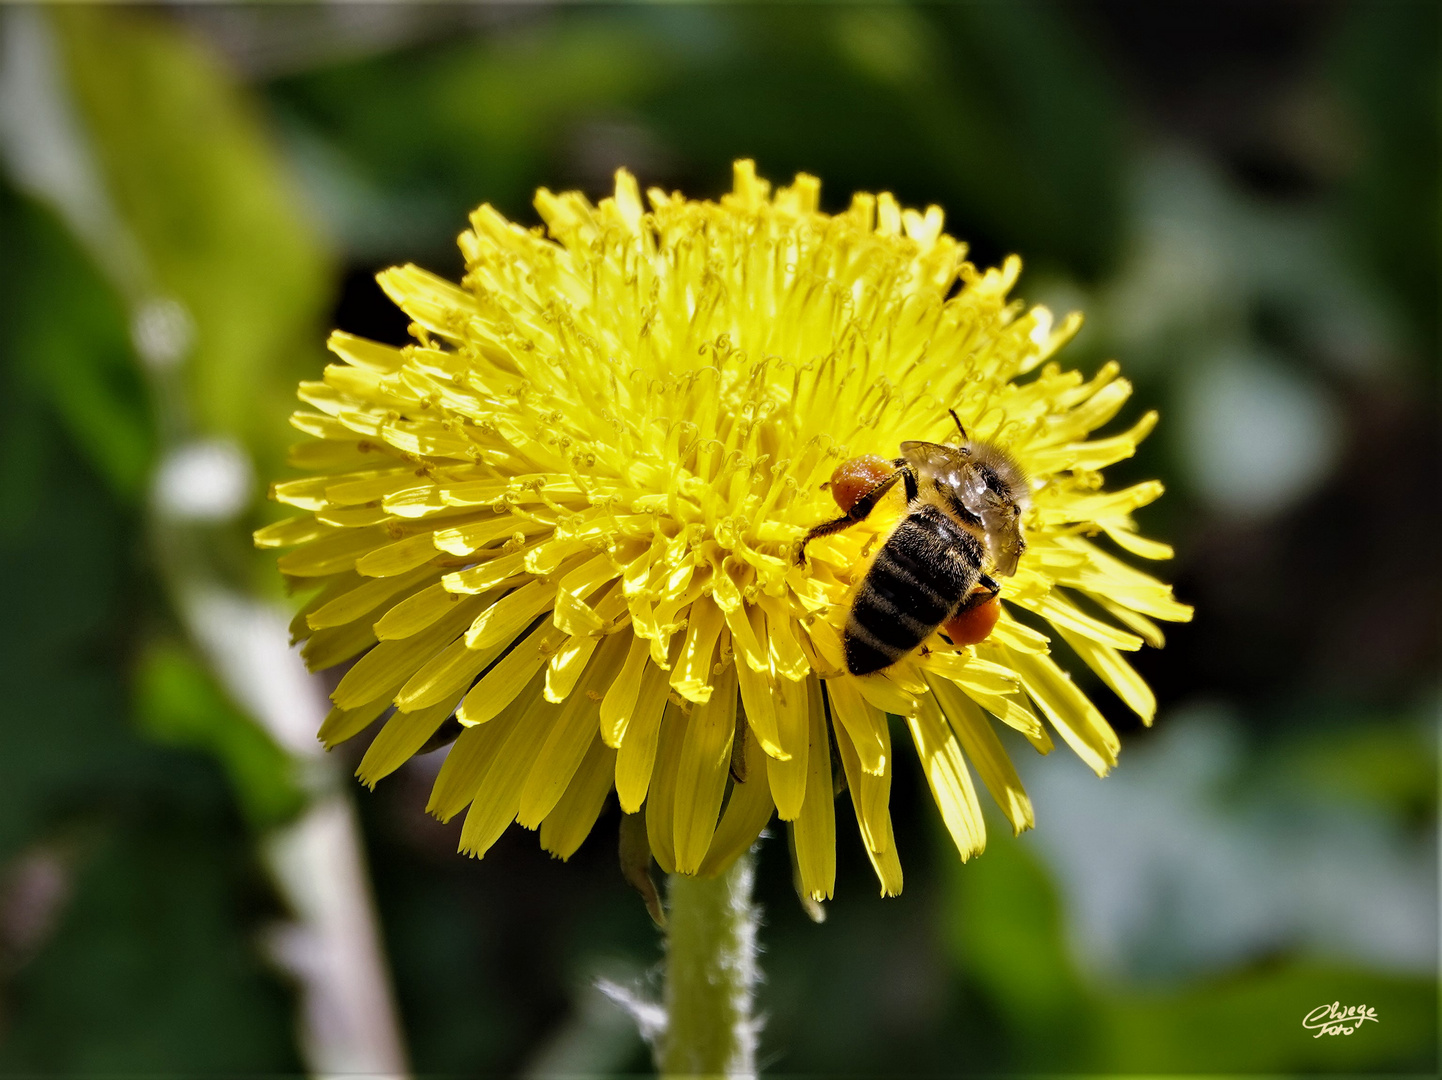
(567, 515)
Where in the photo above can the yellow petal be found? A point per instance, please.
(365, 598)
(354, 517)
(363, 489)
(487, 575)
(574, 729)
(738, 619)
(513, 672)
(1147, 630)
(692, 677)
(815, 828)
(331, 553)
(347, 455)
(415, 502)
(417, 612)
(342, 724)
(447, 675)
(1017, 637)
(469, 538)
(1128, 539)
(619, 702)
(1015, 712)
(469, 757)
(636, 757)
(568, 825)
(1064, 615)
(870, 794)
(572, 614)
(949, 780)
(511, 614)
(1116, 673)
(404, 733)
(370, 355)
(326, 648)
(661, 800)
(1069, 711)
(787, 659)
(385, 668)
(335, 586)
(1095, 454)
(397, 558)
(498, 796)
(565, 667)
(747, 811)
(865, 724)
(701, 773)
(291, 531)
(884, 694)
(758, 695)
(787, 776)
(984, 749)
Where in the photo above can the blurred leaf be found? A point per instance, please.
(70, 342)
(178, 703)
(1251, 1022)
(991, 110)
(67, 544)
(1382, 762)
(195, 179)
(1391, 76)
(151, 970)
(994, 111)
(1060, 105)
(479, 120)
(1005, 931)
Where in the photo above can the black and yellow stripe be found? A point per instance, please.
(920, 576)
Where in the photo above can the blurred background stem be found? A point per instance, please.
(711, 974)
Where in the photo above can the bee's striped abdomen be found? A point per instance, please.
(926, 566)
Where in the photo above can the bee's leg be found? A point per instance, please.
(985, 590)
(861, 508)
(909, 476)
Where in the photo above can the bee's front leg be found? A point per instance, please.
(861, 508)
(984, 591)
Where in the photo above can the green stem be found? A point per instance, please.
(710, 972)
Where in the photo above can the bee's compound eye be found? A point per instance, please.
(855, 477)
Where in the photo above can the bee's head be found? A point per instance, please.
(996, 491)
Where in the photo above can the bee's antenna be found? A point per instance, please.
(964, 436)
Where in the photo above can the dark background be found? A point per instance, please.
(1242, 197)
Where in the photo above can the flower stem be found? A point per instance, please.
(710, 972)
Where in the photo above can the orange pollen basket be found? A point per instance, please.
(855, 477)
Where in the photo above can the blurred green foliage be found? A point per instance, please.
(196, 181)
(178, 704)
(257, 196)
(1008, 933)
(70, 354)
(147, 964)
(1388, 60)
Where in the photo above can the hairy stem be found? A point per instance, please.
(710, 973)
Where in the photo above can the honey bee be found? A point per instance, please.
(962, 526)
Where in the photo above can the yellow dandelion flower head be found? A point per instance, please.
(565, 520)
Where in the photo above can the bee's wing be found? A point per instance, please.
(930, 459)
